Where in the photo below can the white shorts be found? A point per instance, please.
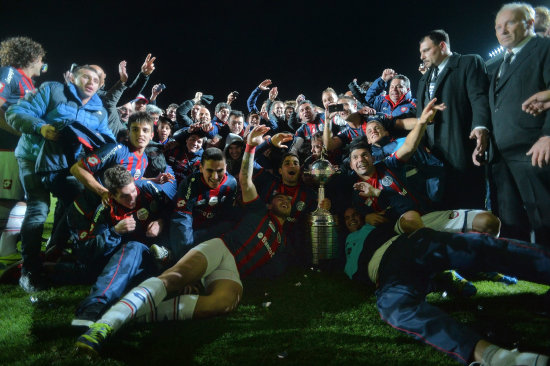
(9, 176)
(452, 221)
(221, 263)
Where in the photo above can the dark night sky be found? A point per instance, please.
(217, 47)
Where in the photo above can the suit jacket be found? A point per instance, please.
(515, 131)
(463, 86)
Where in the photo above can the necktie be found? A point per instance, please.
(506, 63)
(431, 88)
(435, 74)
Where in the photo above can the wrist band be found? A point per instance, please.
(250, 149)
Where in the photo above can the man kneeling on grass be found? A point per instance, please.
(256, 245)
(403, 268)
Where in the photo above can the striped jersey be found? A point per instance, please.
(112, 154)
(257, 241)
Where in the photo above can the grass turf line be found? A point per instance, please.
(326, 320)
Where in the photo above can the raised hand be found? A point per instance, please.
(149, 65)
(273, 93)
(123, 72)
(264, 85)
(254, 138)
(388, 74)
(429, 111)
(279, 139)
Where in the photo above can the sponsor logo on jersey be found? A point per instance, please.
(213, 201)
(404, 109)
(387, 181)
(267, 246)
(142, 214)
(300, 205)
(112, 152)
(92, 160)
(10, 76)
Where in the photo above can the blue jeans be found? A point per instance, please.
(409, 264)
(38, 205)
(117, 271)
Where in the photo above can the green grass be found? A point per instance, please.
(325, 320)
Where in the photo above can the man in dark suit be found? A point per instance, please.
(520, 167)
(461, 82)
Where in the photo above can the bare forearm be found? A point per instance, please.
(405, 123)
(86, 178)
(412, 141)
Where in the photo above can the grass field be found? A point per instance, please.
(313, 318)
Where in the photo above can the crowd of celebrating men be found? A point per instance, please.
(183, 200)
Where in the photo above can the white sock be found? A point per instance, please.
(496, 356)
(138, 301)
(178, 308)
(8, 240)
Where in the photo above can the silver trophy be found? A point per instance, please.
(324, 242)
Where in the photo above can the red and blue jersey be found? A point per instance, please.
(304, 199)
(183, 162)
(112, 154)
(198, 206)
(395, 198)
(349, 133)
(257, 242)
(308, 129)
(14, 85)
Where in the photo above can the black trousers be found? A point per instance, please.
(522, 196)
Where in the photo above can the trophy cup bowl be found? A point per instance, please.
(324, 242)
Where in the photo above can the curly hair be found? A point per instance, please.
(117, 177)
(20, 52)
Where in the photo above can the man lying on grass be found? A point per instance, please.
(403, 268)
(256, 245)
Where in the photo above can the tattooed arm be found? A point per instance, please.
(245, 175)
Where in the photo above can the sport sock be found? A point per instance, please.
(178, 308)
(496, 356)
(8, 240)
(141, 299)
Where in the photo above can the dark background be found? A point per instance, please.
(217, 47)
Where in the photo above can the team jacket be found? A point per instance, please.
(199, 206)
(395, 198)
(101, 238)
(405, 107)
(54, 104)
